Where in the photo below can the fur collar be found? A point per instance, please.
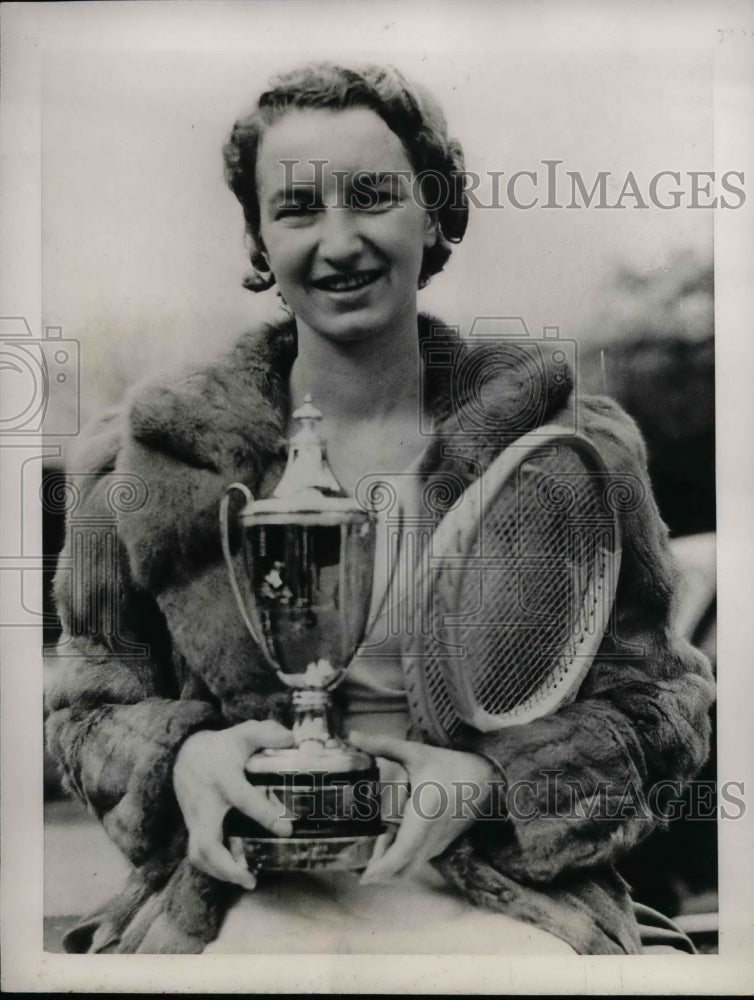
(190, 439)
(232, 415)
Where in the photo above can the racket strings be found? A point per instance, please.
(542, 534)
(507, 630)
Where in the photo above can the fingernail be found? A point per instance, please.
(282, 828)
(249, 882)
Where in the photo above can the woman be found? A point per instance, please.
(332, 170)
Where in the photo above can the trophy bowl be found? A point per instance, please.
(308, 556)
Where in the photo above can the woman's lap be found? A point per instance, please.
(331, 913)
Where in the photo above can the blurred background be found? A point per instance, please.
(143, 257)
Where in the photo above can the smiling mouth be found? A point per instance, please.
(346, 282)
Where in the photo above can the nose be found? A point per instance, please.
(339, 237)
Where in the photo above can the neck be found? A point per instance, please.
(359, 380)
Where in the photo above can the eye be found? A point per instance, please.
(297, 205)
(296, 211)
(387, 197)
(376, 199)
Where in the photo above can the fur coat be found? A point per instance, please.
(172, 655)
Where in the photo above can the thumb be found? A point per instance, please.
(258, 735)
(386, 746)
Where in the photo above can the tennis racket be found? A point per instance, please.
(514, 590)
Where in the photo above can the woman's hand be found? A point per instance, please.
(208, 777)
(448, 791)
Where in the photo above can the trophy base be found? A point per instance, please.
(279, 854)
(332, 795)
(300, 763)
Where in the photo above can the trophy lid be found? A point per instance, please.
(308, 486)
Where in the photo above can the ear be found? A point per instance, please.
(431, 229)
(260, 259)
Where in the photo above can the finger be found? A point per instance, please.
(205, 846)
(420, 837)
(259, 735)
(411, 844)
(387, 864)
(387, 746)
(383, 843)
(211, 857)
(266, 809)
(394, 797)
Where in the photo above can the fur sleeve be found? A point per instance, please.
(130, 687)
(115, 718)
(584, 785)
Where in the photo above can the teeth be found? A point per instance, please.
(346, 283)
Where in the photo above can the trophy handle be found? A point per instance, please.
(250, 619)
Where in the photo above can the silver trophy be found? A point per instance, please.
(308, 553)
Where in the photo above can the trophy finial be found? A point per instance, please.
(307, 466)
(307, 414)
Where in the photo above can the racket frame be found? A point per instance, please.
(449, 548)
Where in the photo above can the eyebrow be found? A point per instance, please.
(375, 177)
(295, 193)
(379, 176)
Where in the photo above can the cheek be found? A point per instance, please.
(286, 253)
(412, 249)
(404, 237)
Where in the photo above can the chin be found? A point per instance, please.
(352, 329)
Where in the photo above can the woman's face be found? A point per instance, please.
(345, 245)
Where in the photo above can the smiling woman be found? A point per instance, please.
(327, 168)
(347, 272)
